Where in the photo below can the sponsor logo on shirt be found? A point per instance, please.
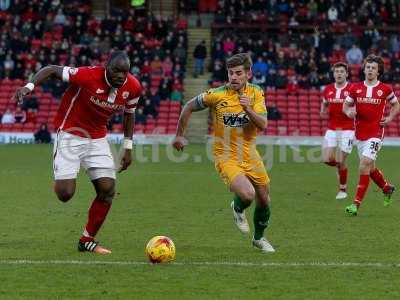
(99, 91)
(369, 100)
(335, 100)
(235, 120)
(105, 104)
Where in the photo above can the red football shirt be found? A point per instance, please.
(90, 101)
(335, 97)
(370, 102)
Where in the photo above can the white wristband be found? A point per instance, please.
(30, 86)
(128, 144)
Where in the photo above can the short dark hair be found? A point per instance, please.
(240, 59)
(372, 58)
(340, 64)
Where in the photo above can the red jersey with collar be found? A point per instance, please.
(370, 102)
(335, 98)
(89, 102)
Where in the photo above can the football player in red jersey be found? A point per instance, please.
(369, 99)
(338, 140)
(93, 95)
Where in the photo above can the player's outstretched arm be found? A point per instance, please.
(179, 141)
(41, 76)
(128, 122)
(394, 110)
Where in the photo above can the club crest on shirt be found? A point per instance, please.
(346, 93)
(125, 95)
(379, 93)
(73, 71)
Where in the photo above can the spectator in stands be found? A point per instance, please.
(347, 40)
(30, 103)
(281, 80)
(19, 115)
(354, 55)
(140, 118)
(292, 86)
(259, 79)
(228, 45)
(217, 51)
(177, 96)
(154, 97)
(301, 68)
(60, 18)
(8, 66)
(42, 136)
(271, 79)
(260, 66)
(219, 74)
(167, 66)
(180, 52)
(178, 72)
(164, 91)
(199, 54)
(149, 109)
(333, 13)
(272, 112)
(156, 66)
(8, 117)
(370, 37)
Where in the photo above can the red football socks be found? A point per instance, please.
(97, 214)
(361, 189)
(343, 179)
(377, 177)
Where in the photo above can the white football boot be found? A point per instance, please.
(341, 195)
(240, 220)
(263, 245)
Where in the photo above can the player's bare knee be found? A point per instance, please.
(106, 194)
(248, 194)
(64, 195)
(366, 166)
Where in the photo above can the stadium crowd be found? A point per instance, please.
(37, 33)
(296, 12)
(305, 38)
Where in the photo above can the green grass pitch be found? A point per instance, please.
(321, 252)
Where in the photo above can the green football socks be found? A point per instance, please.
(261, 219)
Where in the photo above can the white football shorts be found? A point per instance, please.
(339, 138)
(72, 151)
(369, 148)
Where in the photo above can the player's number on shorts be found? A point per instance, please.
(374, 146)
(350, 143)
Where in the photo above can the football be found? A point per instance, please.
(160, 249)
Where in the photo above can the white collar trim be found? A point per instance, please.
(372, 86)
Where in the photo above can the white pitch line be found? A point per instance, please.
(205, 263)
